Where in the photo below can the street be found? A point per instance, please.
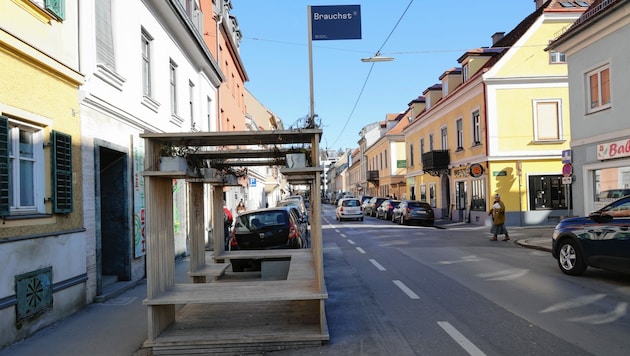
(452, 291)
(409, 290)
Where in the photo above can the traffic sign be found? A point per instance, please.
(566, 156)
(567, 180)
(567, 169)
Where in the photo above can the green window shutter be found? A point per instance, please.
(57, 7)
(4, 166)
(62, 172)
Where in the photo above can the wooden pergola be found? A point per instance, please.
(208, 314)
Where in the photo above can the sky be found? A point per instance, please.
(425, 38)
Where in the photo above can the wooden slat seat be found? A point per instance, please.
(214, 270)
(237, 292)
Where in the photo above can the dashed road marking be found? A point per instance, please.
(406, 289)
(351, 242)
(360, 250)
(466, 344)
(377, 265)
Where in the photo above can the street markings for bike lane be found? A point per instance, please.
(460, 339)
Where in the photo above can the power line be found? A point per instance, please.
(378, 53)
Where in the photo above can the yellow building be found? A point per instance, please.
(41, 190)
(498, 124)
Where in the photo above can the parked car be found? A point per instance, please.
(262, 229)
(385, 210)
(413, 211)
(349, 208)
(600, 240)
(370, 208)
(612, 194)
(299, 204)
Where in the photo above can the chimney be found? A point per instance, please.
(497, 37)
(539, 3)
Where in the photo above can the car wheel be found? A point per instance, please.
(570, 259)
(393, 219)
(361, 218)
(402, 220)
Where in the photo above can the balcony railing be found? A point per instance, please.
(372, 176)
(436, 162)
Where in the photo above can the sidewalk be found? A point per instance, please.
(119, 325)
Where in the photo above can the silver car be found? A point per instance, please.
(349, 208)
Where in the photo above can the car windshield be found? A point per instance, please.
(415, 204)
(259, 220)
(350, 203)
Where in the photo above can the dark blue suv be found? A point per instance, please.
(601, 240)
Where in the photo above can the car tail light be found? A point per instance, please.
(233, 242)
(341, 208)
(360, 208)
(293, 232)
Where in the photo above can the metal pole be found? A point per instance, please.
(310, 67)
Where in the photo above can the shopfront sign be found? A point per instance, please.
(616, 149)
(476, 170)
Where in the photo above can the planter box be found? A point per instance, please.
(230, 179)
(296, 160)
(173, 164)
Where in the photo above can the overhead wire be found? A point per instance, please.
(378, 53)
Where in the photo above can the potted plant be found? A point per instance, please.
(173, 157)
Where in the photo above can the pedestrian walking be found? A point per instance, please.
(227, 224)
(497, 212)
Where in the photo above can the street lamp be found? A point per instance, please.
(377, 58)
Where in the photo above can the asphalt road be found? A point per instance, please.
(425, 291)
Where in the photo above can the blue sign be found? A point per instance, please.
(252, 182)
(566, 156)
(341, 22)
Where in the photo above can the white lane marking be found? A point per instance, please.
(406, 289)
(504, 275)
(360, 250)
(336, 230)
(472, 258)
(342, 235)
(351, 242)
(598, 319)
(460, 339)
(377, 265)
(574, 303)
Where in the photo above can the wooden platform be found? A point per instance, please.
(213, 270)
(242, 328)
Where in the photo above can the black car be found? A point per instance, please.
(385, 210)
(601, 240)
(263, 229)
(369, 209)
(413, 211)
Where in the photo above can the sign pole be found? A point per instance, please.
(310, 68)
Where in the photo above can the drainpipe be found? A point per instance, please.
(219, 21)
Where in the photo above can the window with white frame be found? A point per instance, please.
(421, 147)
(433, 195)
(547, 120)
(465, 72)
(478, 195)
(476, 128)
(54, 7)
(444, 136)
(411, 155)
(460, 134)
(146, 64)
(430, 142)
(173, 85)
(26, 169)
(557, 57)
(104, 34)
(191, 105)
(598, 82)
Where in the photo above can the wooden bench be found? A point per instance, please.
(214, 270)
(301, 284)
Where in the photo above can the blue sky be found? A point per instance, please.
(429, 39)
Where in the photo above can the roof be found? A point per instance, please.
(597, 10)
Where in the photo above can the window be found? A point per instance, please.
(599, 89)
(557, 57)
(173, 84)
(430, 142)
(209, 108)
(432, 195)
(476, 128)
(385, 159)
(478, 195)
(423, 193)
(546, 192)
(460, 134)
(146, 64)
(461, 194)
(444, 135)
(191, 104)
(421, 147)
(21, 168)
(445, 88)
(465, 72)
(104, 37)
(411, 154)
(54, 7)
(547, 120)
